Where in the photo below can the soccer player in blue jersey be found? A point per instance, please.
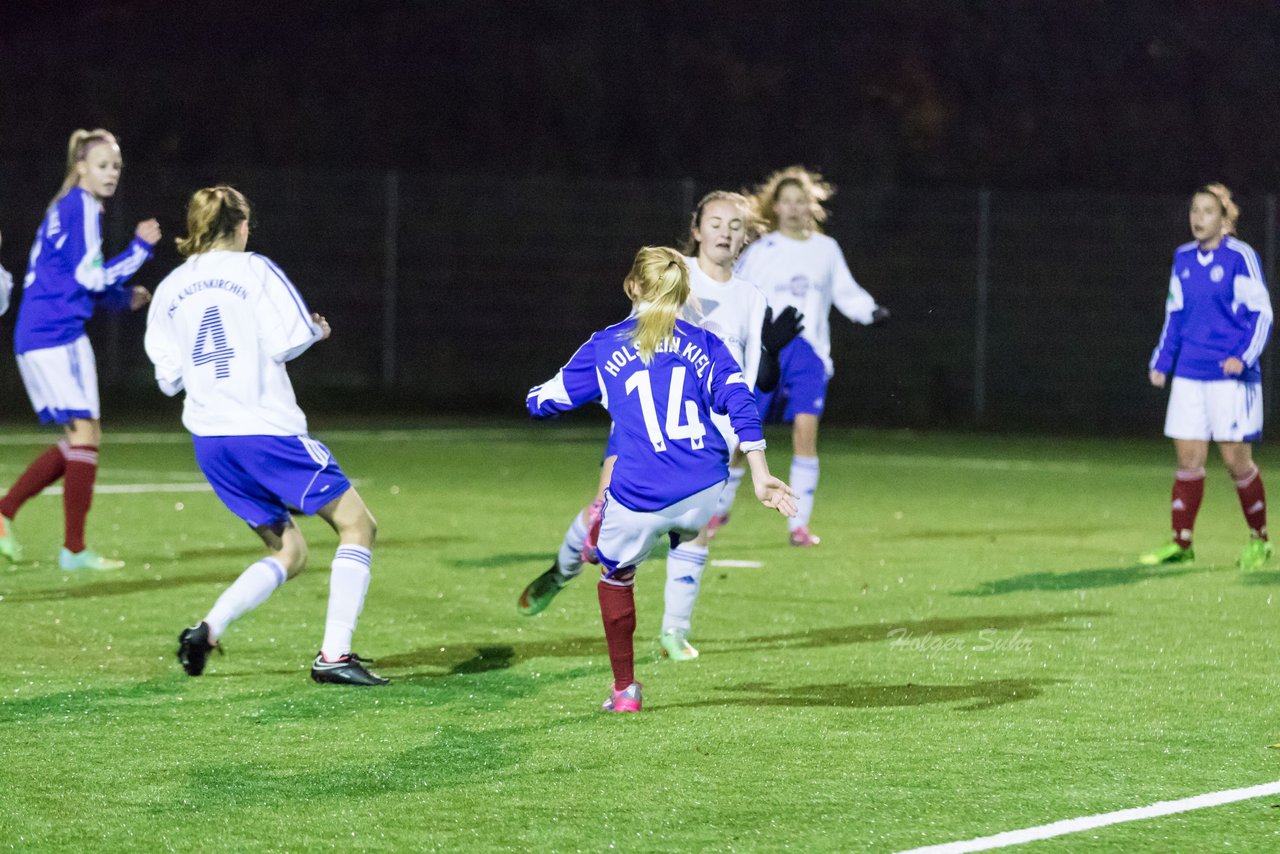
(67, 280)
(738, 313)
(1217, 319)
(796, 265)
(660, 378)
(221, 329)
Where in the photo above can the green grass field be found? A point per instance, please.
(970, 651)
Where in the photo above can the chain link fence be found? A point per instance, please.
(455, 293)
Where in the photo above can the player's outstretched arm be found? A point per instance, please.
(773, 493)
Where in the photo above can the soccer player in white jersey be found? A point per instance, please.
(1217, 319)
(67, 281)
(660, 377)
(222, 327)
(6, 288)
(796, 265)
(737, 311)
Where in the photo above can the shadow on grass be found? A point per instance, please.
(472, 659)
(1083, 579)
(977, 696)
(506, 559)
(872, 632)
(1270, 578)
(120, 587)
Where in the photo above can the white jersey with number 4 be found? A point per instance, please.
(811, 275)
(734, 311)
(221, 327)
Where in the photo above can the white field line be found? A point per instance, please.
(743, 564)
(1075, 825)
(459, 434)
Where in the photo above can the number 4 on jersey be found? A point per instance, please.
(211, 344)
(693, 430)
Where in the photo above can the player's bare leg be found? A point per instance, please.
(804, 476)
(349, 576)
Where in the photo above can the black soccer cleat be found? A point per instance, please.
(348, 670)
(194, 648)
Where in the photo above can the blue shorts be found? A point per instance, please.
(802, 389)
(262, 479)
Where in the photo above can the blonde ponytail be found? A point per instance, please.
(213, 216)
(77, 149)
(658, 285)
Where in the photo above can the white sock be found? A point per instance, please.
(247, 592)
(725, 502)
(804, 480)
(569, 561)
(348, 583)
(684, 577)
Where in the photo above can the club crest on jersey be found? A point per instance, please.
(799, 285)
(1217, 273)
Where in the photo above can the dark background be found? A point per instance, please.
(461, 186)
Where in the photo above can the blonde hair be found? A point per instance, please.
(213, 215)
(751, 223)
(77, 150)
(658, 286)
(765, 195)
(1230, 210)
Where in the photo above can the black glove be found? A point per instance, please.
(880, 316)
(776, 334)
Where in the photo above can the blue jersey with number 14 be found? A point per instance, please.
(667, 447)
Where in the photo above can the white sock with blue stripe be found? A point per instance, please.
(804, 480)
(684, 578)
(247, 592)
(348, 584)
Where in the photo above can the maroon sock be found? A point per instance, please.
(618, 609)
(1188, 491)
(1253, 501)
(46, 469)
(77, 493)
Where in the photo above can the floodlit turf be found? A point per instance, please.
(971, 650)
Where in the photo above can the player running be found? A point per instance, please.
(738, 312)
(661, 378)
(67, 281)
(221, 328)
(796, 265)
(1217, 319)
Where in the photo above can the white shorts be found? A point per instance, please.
(1221, 410)
(62, 382)
(628, 536)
